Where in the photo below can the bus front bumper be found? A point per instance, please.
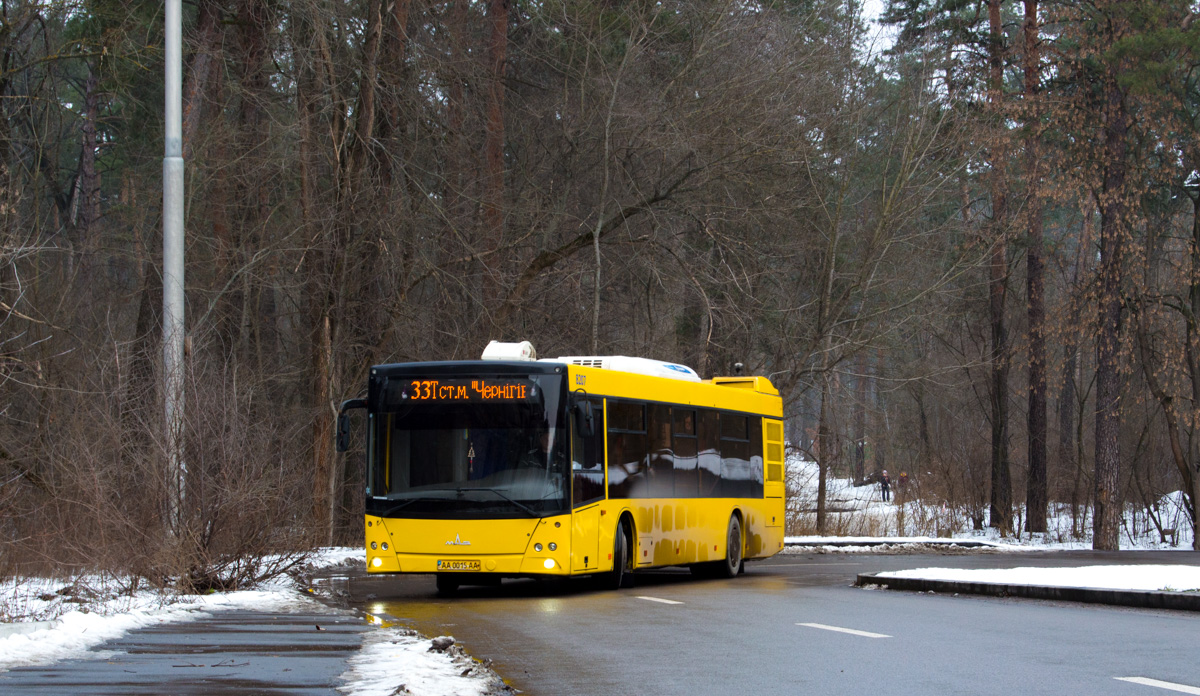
(513, 564)
(500, 547)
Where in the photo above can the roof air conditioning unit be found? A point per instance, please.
(510, 351)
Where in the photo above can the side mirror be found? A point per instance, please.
(342, 442)
(585, 418)
(343, 432)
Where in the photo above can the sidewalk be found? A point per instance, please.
(1143, 599)
(892, 541)
(234, 651)
(1103, 592)
(277, 639)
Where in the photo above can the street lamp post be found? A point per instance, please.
(173, 299)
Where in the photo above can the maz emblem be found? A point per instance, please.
(458, 542)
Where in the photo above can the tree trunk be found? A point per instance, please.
(1069, 421)
(395, 53)
(138, 405)
(493, 203)
(1000, 515)
(364, 113)
(1036, 484)
(1066, 412)
(324, 471)
(209, 29)
(318, 288)
(827, 448)
(456, 150)
(923, 428)
(860, 420)
(1192, 354)
(1113, 230)
(89, 176)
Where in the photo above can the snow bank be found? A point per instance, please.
(78, 630)
(396, 660)
(1149, 578)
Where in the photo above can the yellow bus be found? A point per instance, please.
(515, 467)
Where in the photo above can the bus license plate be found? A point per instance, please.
(458, 565)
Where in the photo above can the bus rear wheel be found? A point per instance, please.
(733, 550)
(733, 563)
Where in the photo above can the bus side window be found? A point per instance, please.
(587, 460)
(626, 449)
(737, 479)
(661, 472)
(709, 457)
(735, 456)
(683, 447)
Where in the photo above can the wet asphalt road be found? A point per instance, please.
(671, 634)
(745, 635)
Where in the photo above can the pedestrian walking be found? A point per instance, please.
(885, 486)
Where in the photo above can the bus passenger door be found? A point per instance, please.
(587, 483)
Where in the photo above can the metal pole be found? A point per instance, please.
(173, 327)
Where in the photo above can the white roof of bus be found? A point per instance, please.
(641, 366)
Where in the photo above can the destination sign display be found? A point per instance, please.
(466, 390)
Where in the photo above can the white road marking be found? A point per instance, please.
(851, 631)
(660, 600)
(1146, 681)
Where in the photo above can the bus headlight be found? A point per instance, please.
(553, 546)
(549, 564)
(377, 561)
(537, 547)
(384, 546)
(373, 546)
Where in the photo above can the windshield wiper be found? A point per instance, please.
(528, 510)
(409, 501)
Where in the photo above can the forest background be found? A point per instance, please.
(973, 257)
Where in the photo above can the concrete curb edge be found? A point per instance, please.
(961, 543)
(1128, 598)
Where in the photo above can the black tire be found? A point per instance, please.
(447, 585)
(621, 575)
(733, 550)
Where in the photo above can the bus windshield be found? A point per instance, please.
(460, 458)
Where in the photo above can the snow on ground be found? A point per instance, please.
(79, 629)
(860, 511)
(394, 658)
(852, 544)
(57, 620)
(1149, 578)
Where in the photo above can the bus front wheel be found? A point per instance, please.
(621, 575)
(447, 584)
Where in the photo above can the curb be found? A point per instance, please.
(961, 543)
(1126, 598)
